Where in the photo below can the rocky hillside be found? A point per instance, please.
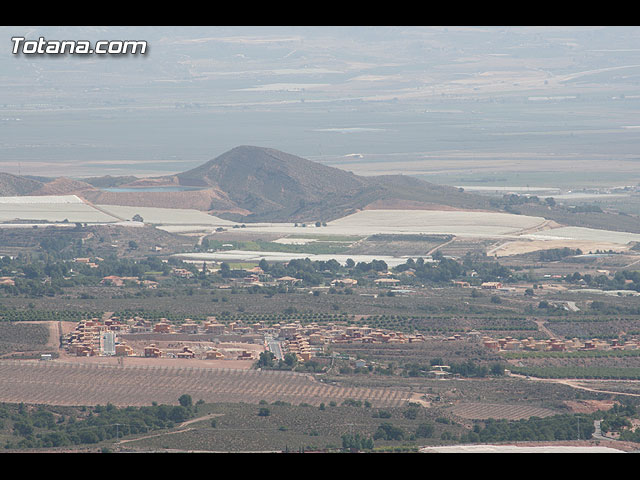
(12, 185)
(255, 184)
(277, 186)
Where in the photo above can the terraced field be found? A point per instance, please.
(59, 383)
(483, 411)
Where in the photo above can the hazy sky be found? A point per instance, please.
(325, 93)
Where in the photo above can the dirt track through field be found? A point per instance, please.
(579, 384)
(59, 383)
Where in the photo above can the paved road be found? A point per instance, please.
(597, 434)
(274, 347)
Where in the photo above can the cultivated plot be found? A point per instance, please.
(166, 216)
(463, 223)
(57, 383)
(54, 208)
(254, 256)
(589, 234)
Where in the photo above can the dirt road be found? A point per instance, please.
(576, 384)
(544, 329)
(181, 428)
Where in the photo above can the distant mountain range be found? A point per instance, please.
(255, 184)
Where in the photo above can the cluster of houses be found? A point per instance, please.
(153, 351)
(556, 345)
(93, 337)
(309, 340)
(103, 338)
(256, 276)
(97, 337)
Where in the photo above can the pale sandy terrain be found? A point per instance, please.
(453, 161)
(51, 211)
(255, 256)
(157, 362)
(589, 406)
(166, 216)
(467, 223)
(589, 234)
(518, 247)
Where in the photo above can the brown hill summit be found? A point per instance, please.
(277, 186)
(13, 185)
(255, 184)
(62, 186)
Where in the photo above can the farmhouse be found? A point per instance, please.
(213, 355)
(213, 327)
(252, 278)
(186, 353)
(189, 327)
(123, 350)
(163, 327)
(246, 355)
(112, 280)
(289, 330)
(182, 272)
(152, 351)
(7, 281)
(150, 284)
(491, 285)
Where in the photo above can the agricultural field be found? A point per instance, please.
(588, 234)
(624, 364)
(594, 327)
(73, 383)
(166, 216)
(418, 245)
(51, 209)
(24, 338)
(235, 256)
(537, 243)
(483, 411)
(462, 223)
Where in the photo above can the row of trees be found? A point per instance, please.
(557, 427)
(621, 280)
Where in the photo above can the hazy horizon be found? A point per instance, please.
(372, 100)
